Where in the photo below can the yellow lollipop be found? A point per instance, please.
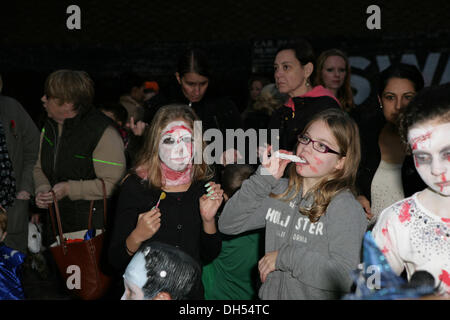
(161, 197)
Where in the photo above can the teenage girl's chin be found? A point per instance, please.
(300, 168)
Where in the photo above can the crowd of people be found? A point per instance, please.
(290, 226)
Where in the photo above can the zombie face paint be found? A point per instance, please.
(175, 146)
(430, 145)
(135, 277)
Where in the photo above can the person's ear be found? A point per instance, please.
(3, 236)
(379, 100)
(340, 164)
(225, 197)
(309, 68)
(177, 75)
(162, 296)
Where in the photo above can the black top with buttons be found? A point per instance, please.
(181, 223)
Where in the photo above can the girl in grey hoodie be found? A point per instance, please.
(314, 224)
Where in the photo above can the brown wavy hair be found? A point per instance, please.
(345, 93)
(148, 158)
(346, 133)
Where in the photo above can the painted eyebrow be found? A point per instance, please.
(181, 127)
(444, 149)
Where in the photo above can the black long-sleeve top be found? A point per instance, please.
(181, 223)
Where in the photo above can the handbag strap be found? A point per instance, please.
(91, 208)
(58, 220)
(58, 216)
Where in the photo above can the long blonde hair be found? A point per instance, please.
(346, 134)
(148, 158)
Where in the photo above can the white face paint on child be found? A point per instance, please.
(135, 277)
(175, 145)
(430, 145)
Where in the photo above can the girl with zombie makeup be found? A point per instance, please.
(168, 197)
(334, 72)
(314, 225)
(414, 233)
(386, 172)
(293, 67)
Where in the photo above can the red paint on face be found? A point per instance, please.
(178, 128)
(419, 139)
(385, 250)
(446, 220)
(443, 180)
(404, 212)
(314, 169)
(181, 177)
(416, 162)
(445, 277)
(318, 161)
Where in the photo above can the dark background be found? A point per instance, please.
(240, 37)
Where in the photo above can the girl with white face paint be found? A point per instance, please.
(414, 233)
(176, 153)
(185, 216)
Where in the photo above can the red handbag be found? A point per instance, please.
(79, 261)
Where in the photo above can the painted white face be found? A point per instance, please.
(430, 145)
(132, 292)
(175, 146)
(135, 277)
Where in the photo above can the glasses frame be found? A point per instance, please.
(327, 148)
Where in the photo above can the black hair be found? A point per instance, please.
(194, 60)
(130, 80)
(402, 71)
(432, 103)
(170, 270)
(118, 110)
(303, 50)
(233, 175)
(254, 77)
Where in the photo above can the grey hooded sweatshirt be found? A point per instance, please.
(314, 260)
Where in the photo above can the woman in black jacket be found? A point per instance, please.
(193, 77)
(293, 66)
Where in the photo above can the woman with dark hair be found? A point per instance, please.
(334, 72)
(193, 76)
(165, 197)
(386, 174)
(293, 66)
